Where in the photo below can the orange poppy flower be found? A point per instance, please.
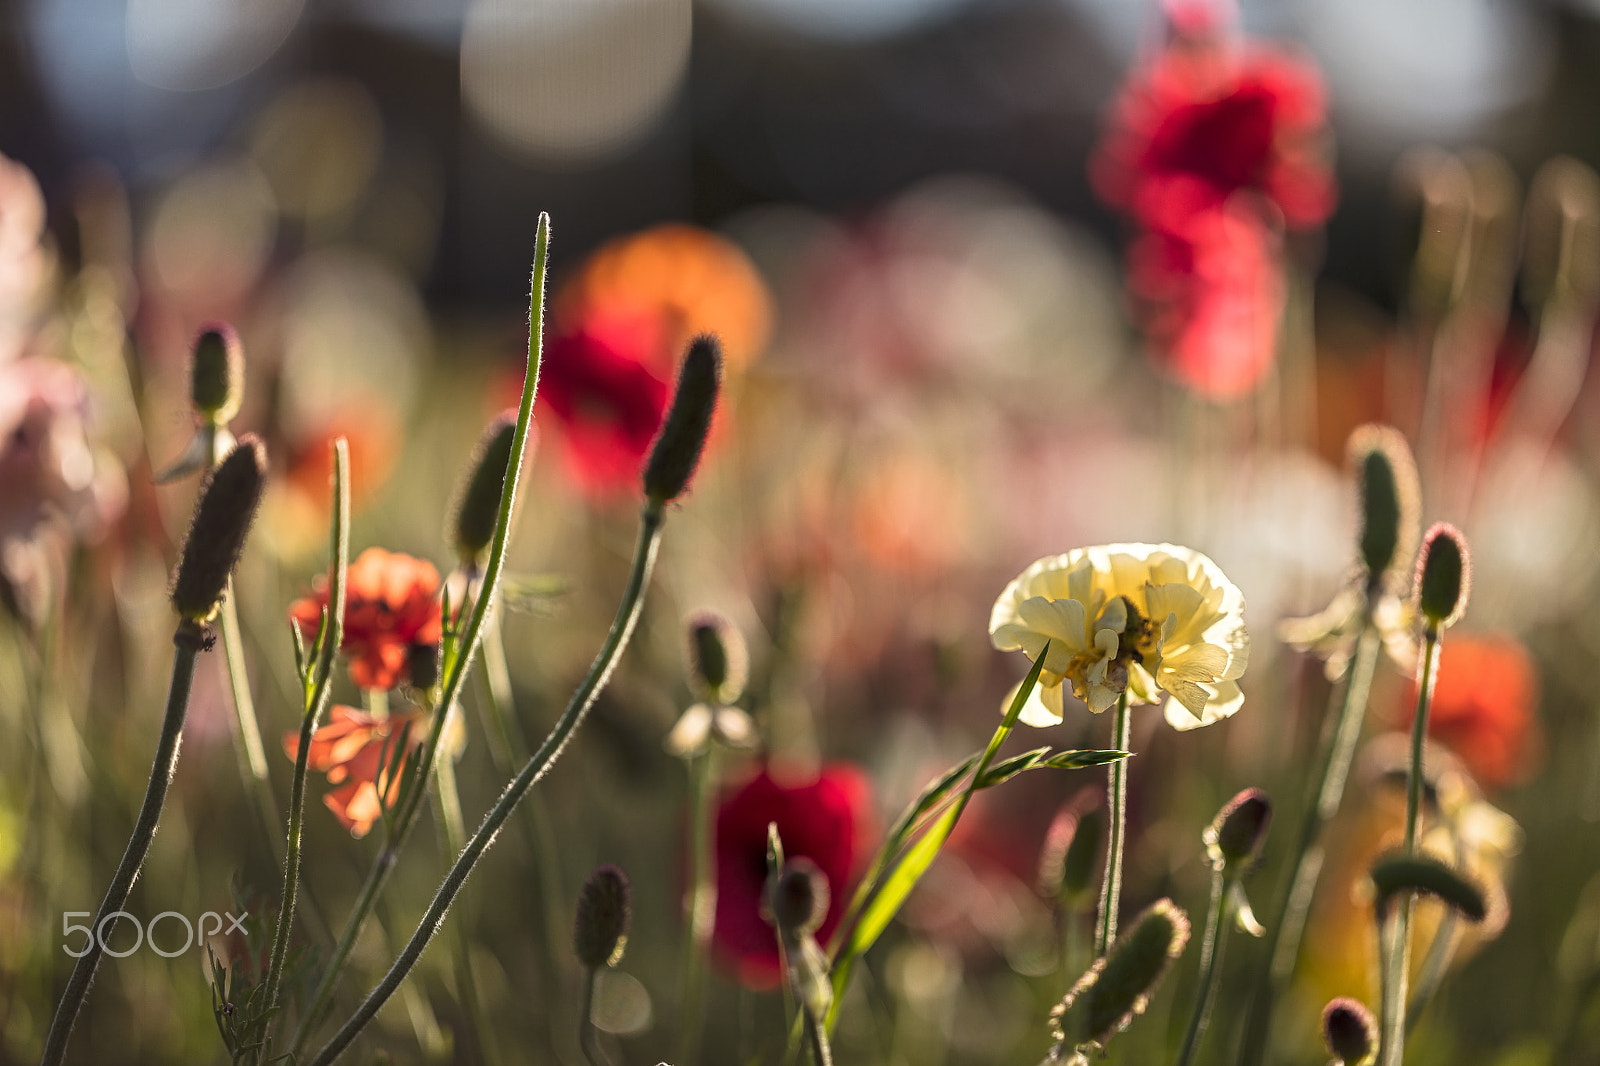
(391, 603)
(356, 749)
(1484, 699)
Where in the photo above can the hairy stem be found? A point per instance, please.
(1111, 887)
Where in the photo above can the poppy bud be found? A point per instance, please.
(600, 932)
(477, 508)
(1119, 984)
(1349, 1030)
(216, 379)
(222, 517)
(1234, 838)
(422, 664)
(677, 447)
(719, 663)
(1444, 576)
(1401, 872)
(797, 900)
(1386, 477)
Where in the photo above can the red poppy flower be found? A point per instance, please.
(1209, 118)
(356, 750)
(1484, 699)
(606, 400)
(390, 604)
(825, 821)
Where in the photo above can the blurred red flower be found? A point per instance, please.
(1213, 146)
(827, 821)
(607, 401)
(355, 750)
(390, 604)
(1484, 702)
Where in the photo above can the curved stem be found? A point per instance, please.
(188, 641)
(1111, 887)
(447, 808)
(1283, 945)
(591, 1052)
(1210, 966)
(536, 767)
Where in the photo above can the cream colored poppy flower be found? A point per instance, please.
(1145, 619)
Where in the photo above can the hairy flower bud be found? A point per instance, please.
(477, 506)
(1118, 986)
(600, 932)
(222, 518)
(1234, 838)
(677, 448)
(1349, 1031)
(1444, 576)
(216, 379)
(719, 663)
(1386, 477)
(797, 899)
(1400, 872)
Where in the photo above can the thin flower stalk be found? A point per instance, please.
(535, 769)
(189, 644)
(701, 904)
(456, 665)
(1111, 887)
(316, 690)
(1210, 966)
(1283, 943)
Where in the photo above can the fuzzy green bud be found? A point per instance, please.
(1234, 838)
(1400, 872)
(1117, 988)
(216, 378)
(1070, 857)
(677, 448)
(719, 663)
(600, 933)
(477, 506)
(1386, 478)
(1350, 1031)
(1444, 576)
(222, 517)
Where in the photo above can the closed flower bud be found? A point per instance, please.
(1386, 477)
(422, 664)
(1234, 838)
(1444, 576)
(1400, 872)
(677, 448)
(718, 661)
(601, 931)
(222, 518)
(797, 899)
(216, 380)
(1070, 858)
(1118, 986)
(477, 507)
(1349, 1031)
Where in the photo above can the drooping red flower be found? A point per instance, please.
(390, 604)
(356, 750)
(1485, 697)
(607, 401)
(826, 820)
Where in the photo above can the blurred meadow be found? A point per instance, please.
(991, 281)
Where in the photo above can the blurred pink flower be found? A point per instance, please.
(47, 464)
(23, 262)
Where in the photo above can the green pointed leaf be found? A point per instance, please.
(1081, 760)
(898, 885)
(1006, 769)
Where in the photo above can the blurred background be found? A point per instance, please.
(952, 348)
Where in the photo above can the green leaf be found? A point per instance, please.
(1006, 769)
(1085, 758)
(898, 885)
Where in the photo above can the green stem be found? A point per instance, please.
(447, 806)
(1111, 887)
(701, 907)
(1338, 751)
(1210, 967)
(467, 646)
(188, 642)
(591, 1052)
(317, 689)
(1396, 962)
(821, 1053)
(1440, 952)
(535, 769)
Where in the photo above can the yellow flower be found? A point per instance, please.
(1141, 619)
